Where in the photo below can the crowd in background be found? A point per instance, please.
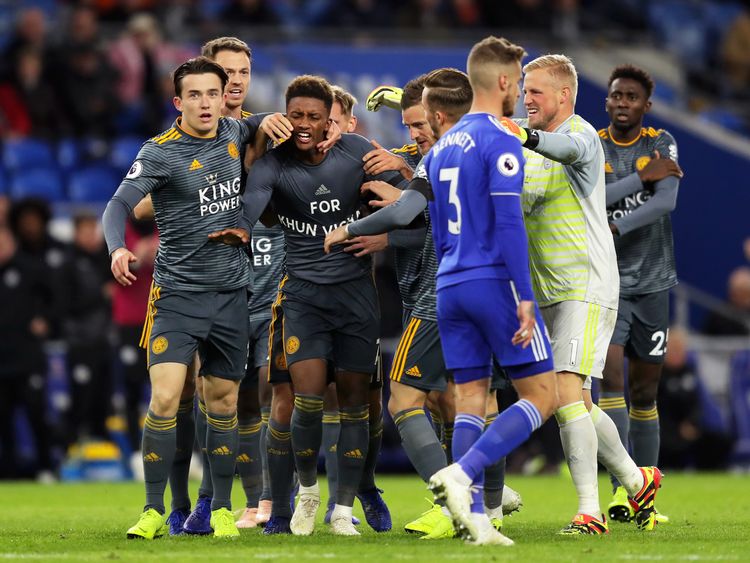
(63, 77)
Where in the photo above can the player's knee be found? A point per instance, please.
(282, 404)
(163, 403)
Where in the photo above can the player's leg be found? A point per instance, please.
(249, 465)
(280, 458)
(331, 429)
(612, 399)
(185, 439)
(309, 377)
(264, 396)
(446, 402)
(494, 475)
(477, 319)
(377, 514)
(224, 354)
(436, 416)
(159, 444)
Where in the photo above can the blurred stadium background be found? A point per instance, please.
(82, 84)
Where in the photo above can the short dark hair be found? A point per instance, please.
(198, 65)
(211, 48)
(633, 73)
(412, 95)
(345, 99)
(309, 86)
(449, 91)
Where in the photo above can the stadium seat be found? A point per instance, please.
(40, 182)
(94, 184)
(3, 183)
(69, 154)
(124, 151)
(23, 154)
(726, 119)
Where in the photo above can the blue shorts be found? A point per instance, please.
(477, 319)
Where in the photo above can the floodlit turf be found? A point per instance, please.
(85, 522)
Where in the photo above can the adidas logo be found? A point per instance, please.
(151, 457)
(221, 450)
(195, 165)
(243, 458)
(322, 190)
(333, 449)
(414, 371)
(356, 454)
(309, 452)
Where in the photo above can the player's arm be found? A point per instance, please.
(577, 147)
(664, 198)
(395, 216)
(657, 169)
(412, 238)
(505, 193)
(149, 171)
(258, 191)
(380, 160)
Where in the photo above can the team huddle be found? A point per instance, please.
(533, 252)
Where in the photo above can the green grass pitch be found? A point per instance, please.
(710, 516)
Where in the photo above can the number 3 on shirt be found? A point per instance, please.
(451, 175)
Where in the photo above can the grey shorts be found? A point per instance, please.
(419, 359)
(643, 326)
(257, 351)
(212, 322)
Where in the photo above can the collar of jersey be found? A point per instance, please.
(177, 124)
(619, 144)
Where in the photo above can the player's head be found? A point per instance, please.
(86, 232)
(413, 115)
(494, 68)
(308, 107)
(446, 98)
(550, 85)
(628, 97)
(236, 58)
(342, 110)
(199, 95)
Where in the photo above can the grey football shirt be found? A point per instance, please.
(645, 254)
(311, 201)
(268, 266)
(195, 186)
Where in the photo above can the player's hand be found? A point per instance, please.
(277, 127)
(381, 160)
(232, 237)
(514, 129)
(659, 168)
(389, 96)
(364, 245)
(121, 260)
(333, 136)
(527, 322)
(336, 236)
(144, 210)
(387, 193)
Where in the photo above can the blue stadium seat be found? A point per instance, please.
(69, 154)
(27, 153)
(739, 393)
(39, 182)
(123, 153)
(93, 184)
(3, 183)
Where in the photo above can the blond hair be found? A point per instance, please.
(560, 68)
(345, 100)
(487, 54)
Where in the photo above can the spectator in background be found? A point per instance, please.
(25, 300)
(14, 120)
(88, 287)
(735, 54)
(686, 439)
(46, 121)
(30, 33)
(29, 220)
(253, 12)
(363, 13)
(425, 14)
(721, 324)
(88, 93)
(128, 314)
(535, 14)
(142, 58)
